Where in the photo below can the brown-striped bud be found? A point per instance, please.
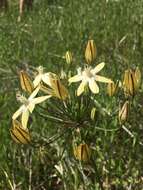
(26, 83)
(112, 88)
(82, 152)
(129, 83)
(59, 90)
(90, 52)
(19, 134)
(124, 112)
(68, 57)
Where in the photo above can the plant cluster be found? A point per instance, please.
(74, 108)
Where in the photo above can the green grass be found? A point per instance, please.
(42, 38)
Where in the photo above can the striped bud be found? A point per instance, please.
(112, 88)
(68, 57)
(26, 83)
(19, 134)
(129, 83)
(82, 152)
(90, 52)
(59, 89)
(124, 112)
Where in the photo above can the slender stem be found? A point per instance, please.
(98, 176)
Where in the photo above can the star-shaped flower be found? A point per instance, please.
(42, 77)
(28, 106)
(89, 77)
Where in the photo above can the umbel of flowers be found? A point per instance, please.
(47, 86)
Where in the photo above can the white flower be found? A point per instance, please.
(28, 106)
(89, 77)
(41, 76)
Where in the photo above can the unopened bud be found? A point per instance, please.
(124, 112)
(19, 134)
(138, 77)
(90, 52)
(112, 88)
(68, 57)
(26, 83)
(82, 152)
(129, 83)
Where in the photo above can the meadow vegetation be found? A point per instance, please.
(112, 146)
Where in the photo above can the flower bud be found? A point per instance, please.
(19, 134)
(68, 57)
(137, 77)
(90, 52)
(112, 88)
(59, 89)
(82, 152)
(26, 83)
(124, 112)
(93, 113)
(129, 83)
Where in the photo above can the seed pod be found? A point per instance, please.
(112, 88)
(26, 83)
(90, 52)
(129, 83)
(124, 112)
(82, 152)
(19, 134)
(68, 57)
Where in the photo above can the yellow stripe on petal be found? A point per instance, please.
(103, 79)
(98, 68)
(81, 88)
(75, 78)
(93, 86)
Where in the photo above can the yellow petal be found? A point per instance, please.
(81, 88)
(75, 78)
(98, 68)
(46, 79)
(25, 117)
(17, 113)
(34, 93)
(31, 107)
(40, 99)
(103, 79)
(37, 80)
(93, 86)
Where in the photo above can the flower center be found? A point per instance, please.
(40, 70)
(22, 99)
(87, 73)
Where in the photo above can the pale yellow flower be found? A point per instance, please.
(28, 106)
(42, 77)
(89, 77)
